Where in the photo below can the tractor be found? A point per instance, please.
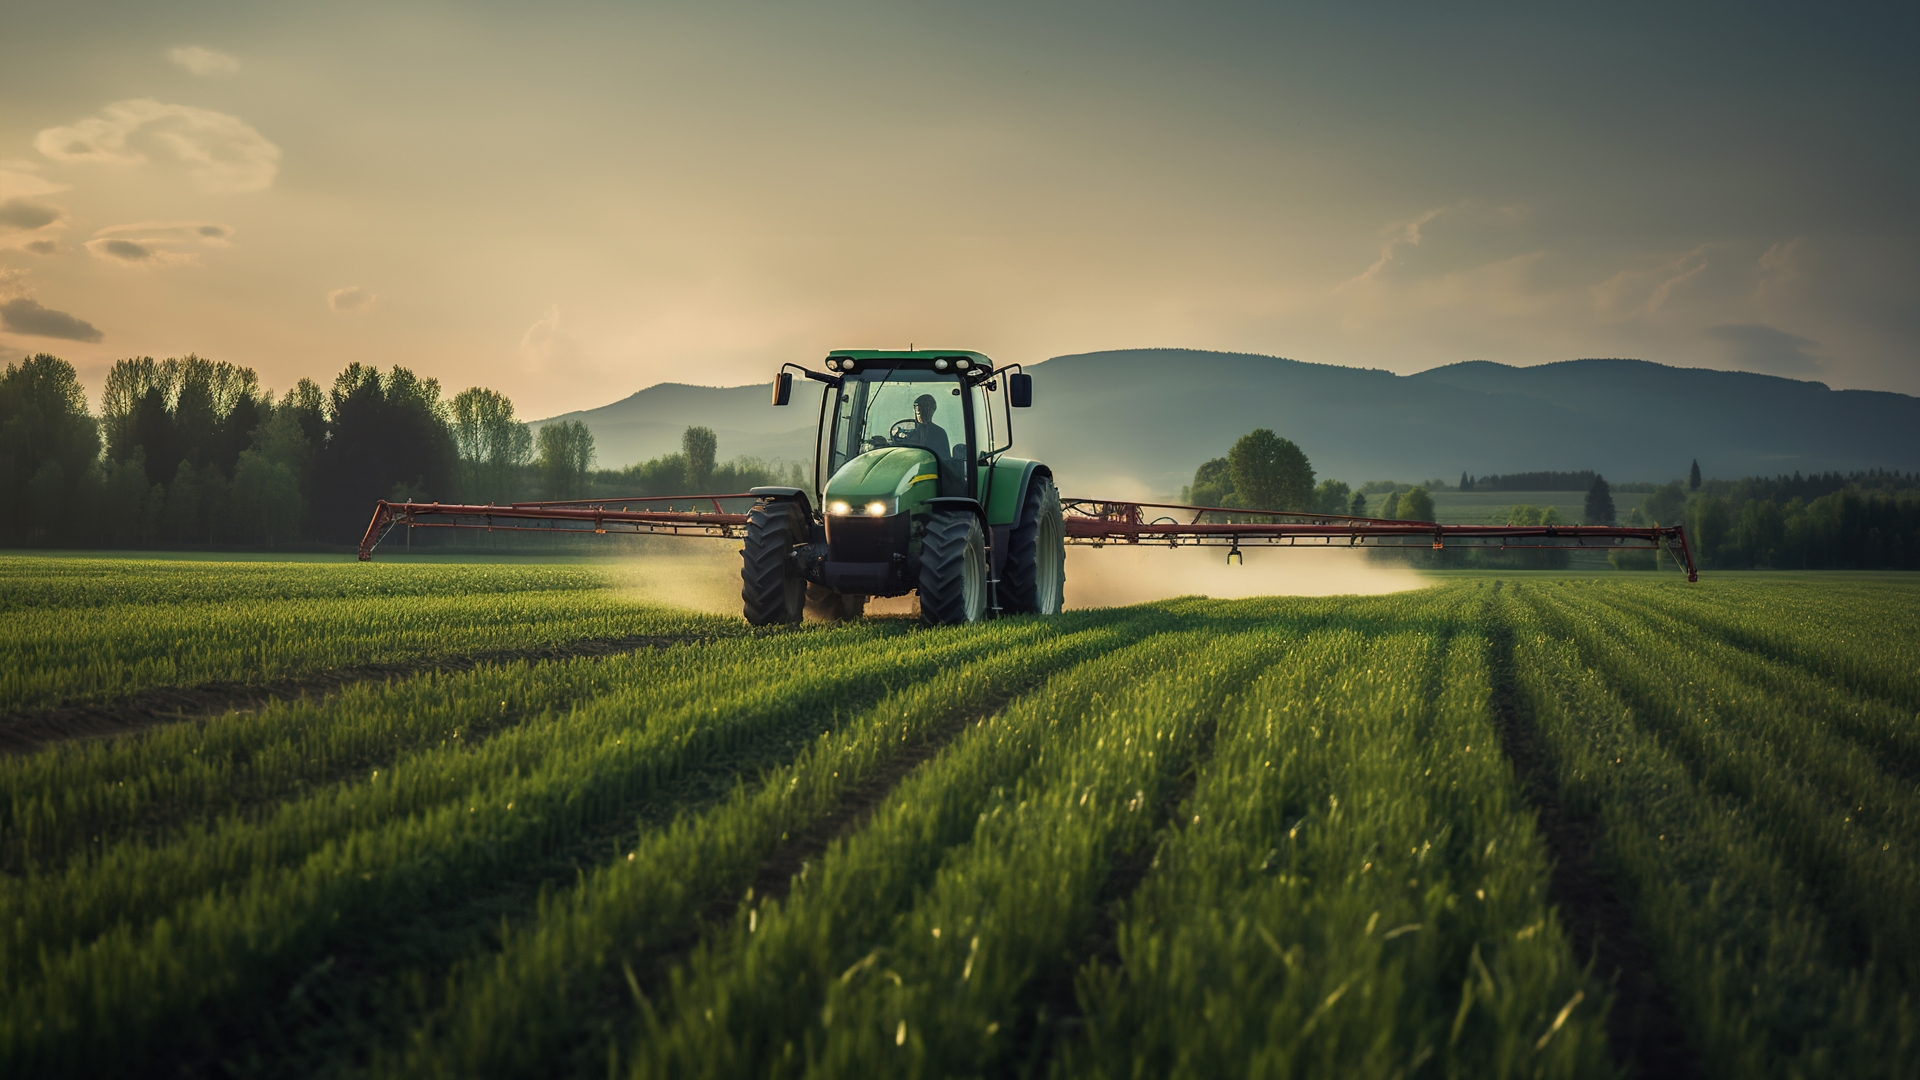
(918, 493)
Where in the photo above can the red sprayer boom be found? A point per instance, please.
(1095, 522)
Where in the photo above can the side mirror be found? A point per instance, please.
(1020, 390)
(783, 388)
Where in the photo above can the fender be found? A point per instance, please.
(788, 494)
(1007, 491)
(959, 502)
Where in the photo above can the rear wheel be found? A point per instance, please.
(771, 588)
(953, 569)
(1034, 579)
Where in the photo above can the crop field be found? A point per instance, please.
(1481, 507)
(277, 819)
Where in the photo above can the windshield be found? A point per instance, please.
(883, 407)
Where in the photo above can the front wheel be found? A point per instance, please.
(771, 587)
(953, 569)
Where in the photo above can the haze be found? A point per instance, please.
(568, 202)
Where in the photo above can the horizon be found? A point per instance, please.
(544, 202)
(1231, 352)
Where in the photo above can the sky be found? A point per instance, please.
(568, 202)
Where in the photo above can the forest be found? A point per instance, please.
(190, 451)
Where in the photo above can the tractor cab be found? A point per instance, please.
(951, 406)
(910, 461)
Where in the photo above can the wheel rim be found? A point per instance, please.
(973, 579)
(1049, 566)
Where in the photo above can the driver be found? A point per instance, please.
(924, 432)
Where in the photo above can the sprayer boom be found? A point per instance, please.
(1092, 522)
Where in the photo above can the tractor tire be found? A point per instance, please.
(771, 588)
(826, 605)
(1033, 581)
(953, 570)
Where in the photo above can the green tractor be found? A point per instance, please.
(914, 492)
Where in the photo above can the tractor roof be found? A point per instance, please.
(910, 354)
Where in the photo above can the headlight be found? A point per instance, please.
(963, 363)
(838, 507)
(876, 509)
(940, 364)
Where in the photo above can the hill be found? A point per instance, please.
(1137, 422)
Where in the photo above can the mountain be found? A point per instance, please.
(1136, 422)
(648, 424)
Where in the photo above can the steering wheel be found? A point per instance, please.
(902, 431)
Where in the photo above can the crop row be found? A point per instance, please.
(59, 653)
(1767, 854)
(30, 583)
(196, 925)
(1354, 889)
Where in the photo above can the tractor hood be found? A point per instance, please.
(901, 476)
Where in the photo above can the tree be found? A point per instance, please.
(1211, 483)
(266, 496)
(566, 456)
(1599, 509)
(1358, 507)
(1667, 505)
(1391, 508)
(700, 445)
(1331, 497)
(48, 443)
(1270, 473)
(1415, 505)
(492, 444)
(385, 434)
(1693, 476)
(1466, 482)
(182, 517)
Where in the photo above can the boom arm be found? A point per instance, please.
(1098, 523)
(1095, 522)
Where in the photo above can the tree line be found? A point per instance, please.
(194, 451)
(1860, 521)
(1868, 520)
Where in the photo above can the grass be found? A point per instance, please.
(1265, 837)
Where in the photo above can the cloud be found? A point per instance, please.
(204, 62)
(1762, 348)
(1406, 234)
(210, 233)
(351, 298)
(1643, 292)
(551, 349)
(158, 243)
(24, 315)
(25, 214)
(18, 180)
(222, 153)
(41, 247)
(124, 250)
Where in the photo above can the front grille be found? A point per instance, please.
(857, 538)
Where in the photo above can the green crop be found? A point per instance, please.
(1275, 837)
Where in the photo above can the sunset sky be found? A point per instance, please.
(570, 201)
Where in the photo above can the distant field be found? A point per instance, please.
(507, 820)
(1478, 507)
